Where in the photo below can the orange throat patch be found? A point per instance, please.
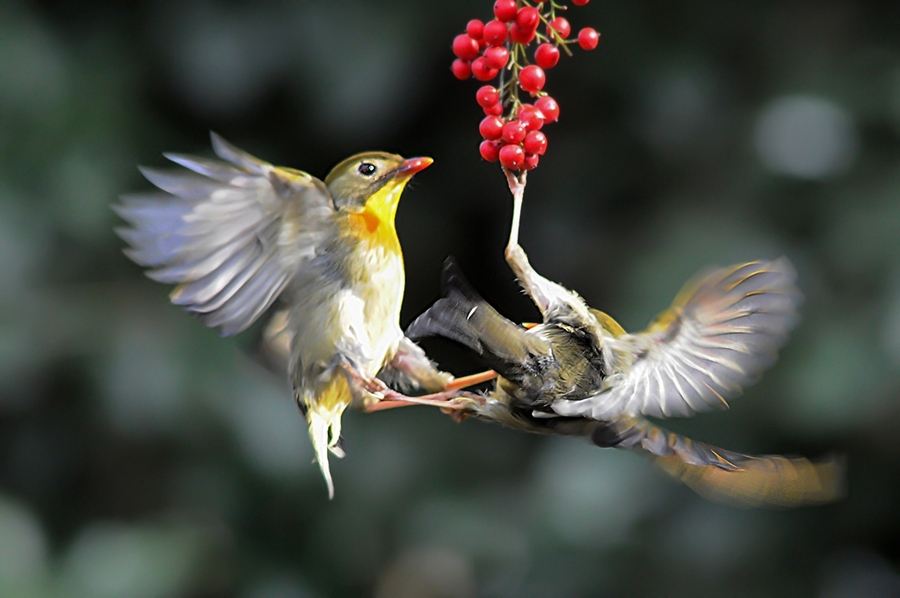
(375, 222)
(368, 227)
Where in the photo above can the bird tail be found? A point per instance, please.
(727, 476)
(323, 415)
(463, 316)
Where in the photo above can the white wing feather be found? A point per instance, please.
(230, 233)
(720, 333)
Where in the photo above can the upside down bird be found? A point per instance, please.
(235, 234)
(580, 373)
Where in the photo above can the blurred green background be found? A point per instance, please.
(143, 456)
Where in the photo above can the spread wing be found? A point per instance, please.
(229, 233)
(719, 334)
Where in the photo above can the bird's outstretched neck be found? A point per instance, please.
(517, 188)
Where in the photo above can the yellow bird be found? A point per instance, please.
(237, 234)
(579, 373)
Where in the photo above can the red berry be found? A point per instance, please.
(475, 28)
(580, 2)
(491, 127)
(521, 36)
(514, 132)
(461, 69)
(549, 107)
(528, 18)
(561, 26)
(493, 110)
(465, 47)
(482, 71)
(588, 38)
(546, 56)
(536, 143)
(487, 95)
(531, 161)
(531, 78)
(494, 33)
(512, 157)
(489, 150)
(505, 10)
(531, 117)
(496, 56)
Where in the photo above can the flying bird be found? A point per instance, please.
(579, 373)
(236, 234)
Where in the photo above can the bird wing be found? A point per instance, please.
(229, 233)
(721, 331)
(773, 480)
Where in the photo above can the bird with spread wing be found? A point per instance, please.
(236, 234)
(578, 372)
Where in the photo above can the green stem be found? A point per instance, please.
(557, 38)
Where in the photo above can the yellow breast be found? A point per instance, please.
(369, 227)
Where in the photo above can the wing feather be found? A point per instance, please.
(719, 334)
(229, 232)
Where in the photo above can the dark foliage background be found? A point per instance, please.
(142, 456)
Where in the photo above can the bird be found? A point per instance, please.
(235, 234)
(579, 373)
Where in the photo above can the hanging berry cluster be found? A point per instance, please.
(511, 128)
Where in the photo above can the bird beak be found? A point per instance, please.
(412, 166)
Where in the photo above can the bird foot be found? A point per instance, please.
(375, 387)
(454, 403)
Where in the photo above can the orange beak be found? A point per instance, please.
(413, 165)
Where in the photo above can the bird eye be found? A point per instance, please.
(366, 169)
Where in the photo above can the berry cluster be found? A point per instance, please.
(511, 128)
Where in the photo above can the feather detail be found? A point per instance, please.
(230, 233)
(720, 333)
(323, 414)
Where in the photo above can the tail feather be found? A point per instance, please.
(323, 415)
(463, 316)
(728, 476)
(450, 316)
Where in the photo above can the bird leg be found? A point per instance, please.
(391, 398)
(445, 401)
(471, 380)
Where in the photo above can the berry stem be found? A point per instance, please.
(560, 41)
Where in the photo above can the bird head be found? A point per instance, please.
(373, 182)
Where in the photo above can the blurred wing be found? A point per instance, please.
(718, 474)
(719, 334)
(277, 338)
(229, 233)
(770, 480)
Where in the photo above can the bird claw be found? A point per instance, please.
(460, 407)
(373, 386)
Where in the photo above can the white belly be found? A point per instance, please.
(359, 321)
